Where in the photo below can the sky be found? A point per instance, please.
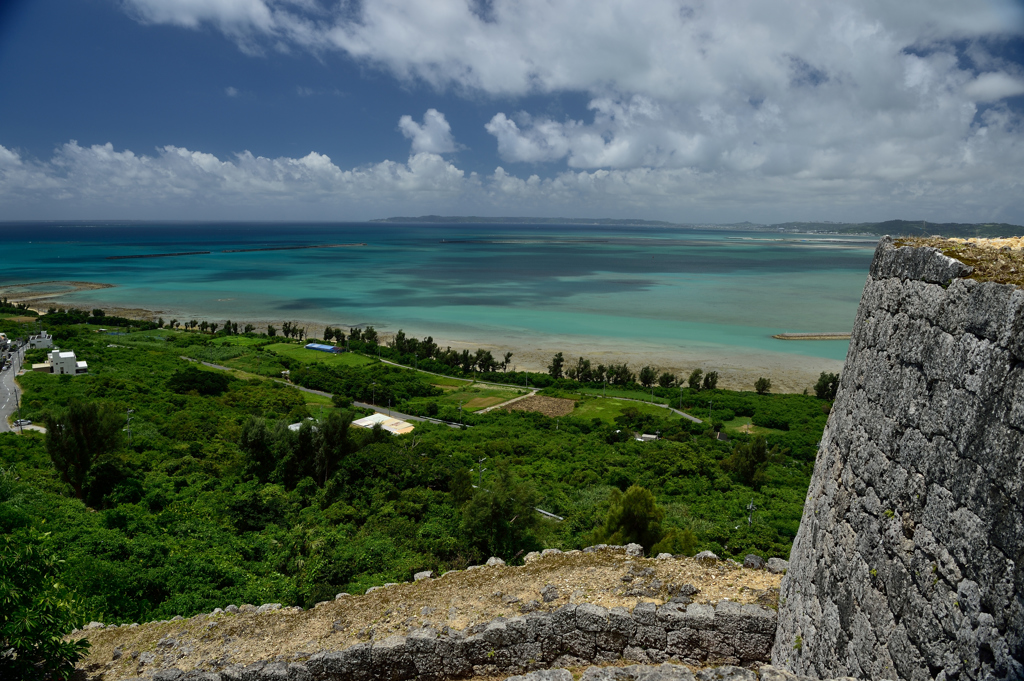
(691, 111)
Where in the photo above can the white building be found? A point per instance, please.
(391, 425)
(62, 363)
(43, 340)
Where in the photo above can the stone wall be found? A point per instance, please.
(728, 633)
(908, 560)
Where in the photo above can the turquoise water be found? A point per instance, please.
(718, 292)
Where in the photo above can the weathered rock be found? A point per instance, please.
(550, 552)
(420, 576)
(907, 562)
(544, 675)
(494, 561)
(753, 562)
(549, 593)
(634, 550)
(231, 608)
(777, 566)
(706, 557)
(664, 672)
(268, 607)
(664, 556)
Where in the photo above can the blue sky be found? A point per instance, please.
(703, 111)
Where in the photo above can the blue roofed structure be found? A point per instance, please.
(323, 348)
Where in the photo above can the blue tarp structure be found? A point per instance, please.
(323, 348)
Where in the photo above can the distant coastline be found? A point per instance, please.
(887, 227)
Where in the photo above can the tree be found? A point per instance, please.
(827, 386)
(694, 380)
(286, 329)
(36, 612)
(633, 517)
(749, 461)
(332, 444)
(666, 380)
(505, 361)
(249, 328)
(648, 375)
(203, 326)
(711, 380)
(79, 436)
(501, 520)
(271, 331)
(555, 368)
(98, 313)
(677, 542)
(763, 385)
(213, 327)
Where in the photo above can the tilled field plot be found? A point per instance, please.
(549, 406)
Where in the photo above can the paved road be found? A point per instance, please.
(9, 392)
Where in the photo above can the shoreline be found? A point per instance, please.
(738, 370)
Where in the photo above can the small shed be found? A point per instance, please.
(388, 423)
(320, 347)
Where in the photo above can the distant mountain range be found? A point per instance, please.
(891, 227)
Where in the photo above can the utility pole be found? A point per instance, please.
(373, 392)
(750, 515)
(128, 426)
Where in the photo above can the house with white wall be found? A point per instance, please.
(40, 340)
(58, 362)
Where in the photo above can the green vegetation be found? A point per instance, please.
(36, 609)
(211, 499)
(301, 354)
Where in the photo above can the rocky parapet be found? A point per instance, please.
(908, 560)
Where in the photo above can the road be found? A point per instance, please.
(362, 405)
(9, 392)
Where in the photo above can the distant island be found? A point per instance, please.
(890, 227)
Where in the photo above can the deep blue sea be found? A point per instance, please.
(694, 293)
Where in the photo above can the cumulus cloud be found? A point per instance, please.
(989, 87)
(231, 91)
(99, 181)
(434, 136)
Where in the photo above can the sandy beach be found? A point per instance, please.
(789, 373)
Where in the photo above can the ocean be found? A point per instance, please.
(671, 294)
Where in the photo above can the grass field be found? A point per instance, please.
(244, 341)
(632, 394)
(297, 352)
(607, 409)
(478, 397)
(742, 424)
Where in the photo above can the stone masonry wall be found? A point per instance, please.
(908, 561)
(728, 633)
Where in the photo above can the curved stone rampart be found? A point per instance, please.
(572, 635)
(908, 560)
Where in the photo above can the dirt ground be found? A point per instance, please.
(458, 600)
(549, 406)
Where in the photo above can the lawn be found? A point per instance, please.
(618, 392)
(742, 424)
(297, 352)
(607, 409)
(478, 397)
(241, 340)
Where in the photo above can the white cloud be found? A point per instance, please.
(434, 136)
(989, 87)
(231, 91)
(98, 181)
